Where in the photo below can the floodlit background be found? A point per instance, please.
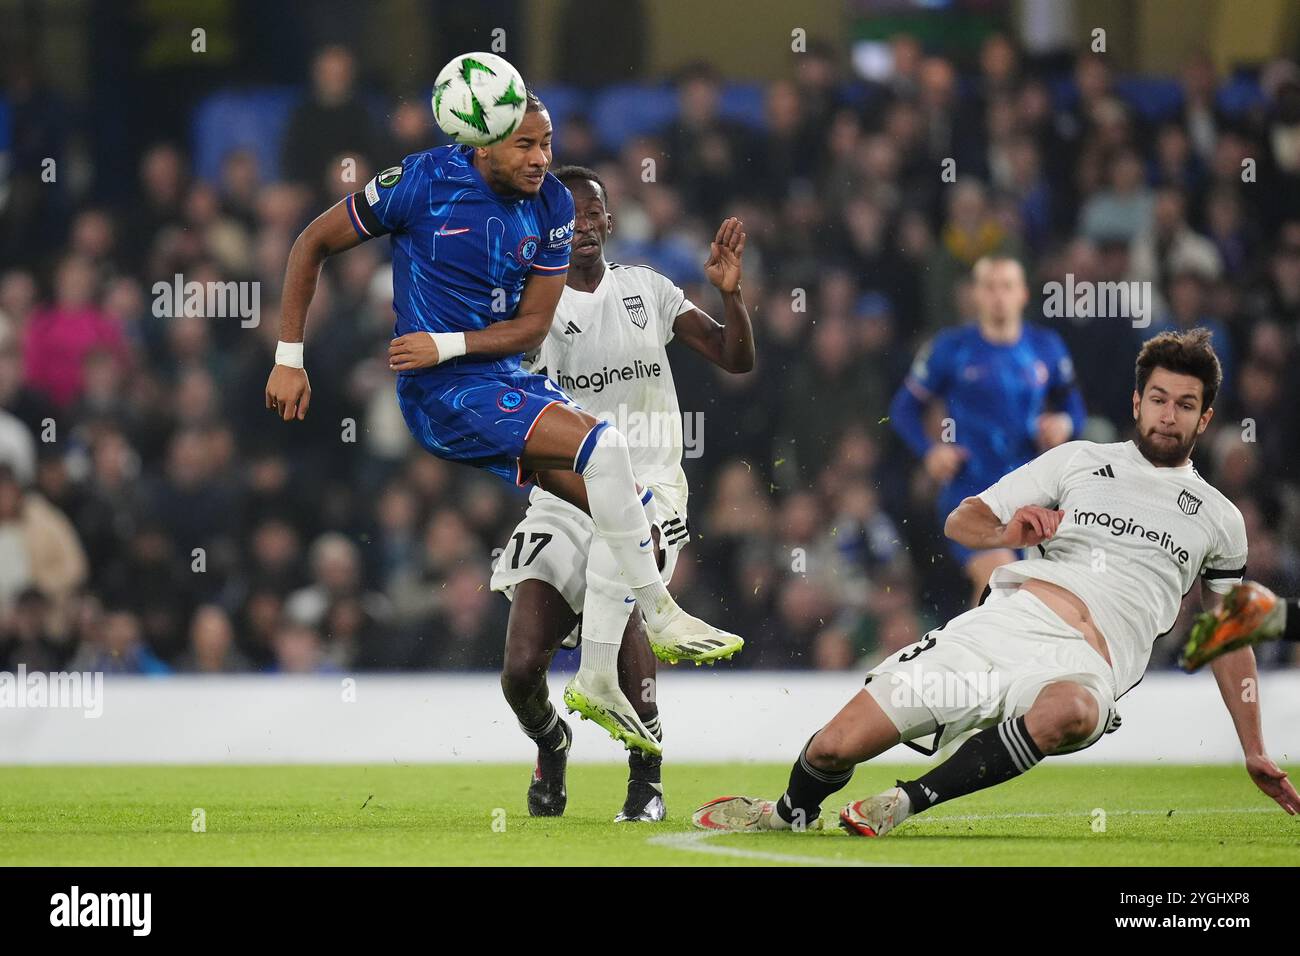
(156, 520)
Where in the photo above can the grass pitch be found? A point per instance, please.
(476, 815)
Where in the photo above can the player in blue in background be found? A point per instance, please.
(1010, 393)
(481, 240)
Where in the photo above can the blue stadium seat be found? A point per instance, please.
(1154, 98)
(743, 103)
(562, 102)
(1240, 94)
(249, 119)
(621, 112)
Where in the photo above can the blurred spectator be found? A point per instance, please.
(332, 122)
(1200, 113)
(212, 645)
(336, 574)
(117, 647)
(59, 339)
(17, 448)
(1170, 245)
(38, 549)
(1124, 208)
(25, 638)
(703, 147)
(299, 650)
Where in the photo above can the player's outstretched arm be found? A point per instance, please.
(521, 333)
(1238, 682)
(287, 390)
(729, 346)
(974, 525)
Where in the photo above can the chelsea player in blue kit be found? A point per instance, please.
(1000, 380)
(481, 240)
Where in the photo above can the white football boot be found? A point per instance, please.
(876, 816)
(745, 815)
(605, 704)
(687, 638)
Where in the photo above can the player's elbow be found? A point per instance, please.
(954, 526)
(310, 247)
(950, 528)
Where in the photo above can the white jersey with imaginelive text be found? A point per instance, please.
(606, 350)
(1132, 542)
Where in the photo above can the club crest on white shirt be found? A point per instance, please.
(636, 311)
(1188, 502)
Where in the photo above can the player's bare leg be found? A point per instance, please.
(566, 437)
(539, 620)
(1063, 714)
(860, 731)
(980, 568)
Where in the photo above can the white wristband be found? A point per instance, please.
(450, 345)
(289, 353)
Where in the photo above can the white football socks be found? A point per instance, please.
(621, 523)
(605, 611)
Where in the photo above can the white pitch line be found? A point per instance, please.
(697, 842)
(1085, 814)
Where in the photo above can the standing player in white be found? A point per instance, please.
(606, 347)
(1120, 533)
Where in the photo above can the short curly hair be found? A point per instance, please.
(1187, 353)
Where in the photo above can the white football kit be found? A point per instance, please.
(1131, 544)
(607, 350)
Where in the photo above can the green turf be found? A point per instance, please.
(445, 814)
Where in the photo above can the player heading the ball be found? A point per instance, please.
(481, 240)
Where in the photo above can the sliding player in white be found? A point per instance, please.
(1120, 533)
(607, 348)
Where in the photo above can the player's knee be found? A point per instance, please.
(604, 444)
(1063, 714)
(832, 750)
(521, 674)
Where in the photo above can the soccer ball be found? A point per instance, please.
(479, 99)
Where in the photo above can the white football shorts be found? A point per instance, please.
(551, 542)
(986, 666)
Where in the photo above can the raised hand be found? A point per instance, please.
(723, 267)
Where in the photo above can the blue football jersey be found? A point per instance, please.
(994, 394)
(461, 251)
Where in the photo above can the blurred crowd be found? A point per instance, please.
(155, 517)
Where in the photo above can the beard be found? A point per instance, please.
(1160, 451)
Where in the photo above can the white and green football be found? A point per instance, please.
(479, 99)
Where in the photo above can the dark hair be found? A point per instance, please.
(535, 104)
(1187, 353)
(570, 173)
